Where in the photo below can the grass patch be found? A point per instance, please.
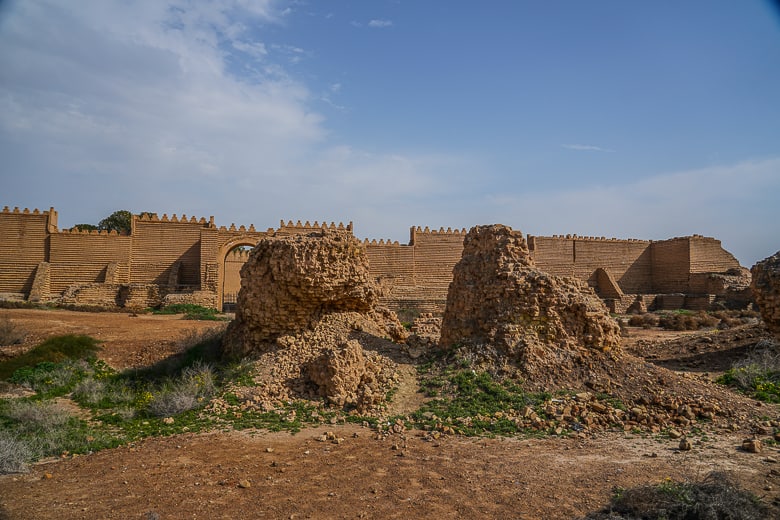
(53, 350)
(473, 403)
(192, 312)
(758, 375)
(713, 498)
(120, 407)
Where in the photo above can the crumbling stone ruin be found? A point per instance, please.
(542, 323)
(291, 282)
(307, 310)
(506, 316)
(766, 290)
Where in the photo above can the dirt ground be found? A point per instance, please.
(279, 475)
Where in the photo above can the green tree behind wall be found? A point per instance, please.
(118, 221)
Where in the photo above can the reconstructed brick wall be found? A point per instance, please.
(180, 258)
(24, 241)
(670, 265)
(158, 249)
(416, 275)
(708, 256)
(84, 257)
(627, 261)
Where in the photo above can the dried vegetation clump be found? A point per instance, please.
(715, 497)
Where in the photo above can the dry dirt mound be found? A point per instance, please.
(766, 290)
(307, 311)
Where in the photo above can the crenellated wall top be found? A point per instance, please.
(95, 232)
(51, 215)
(440, 231)
(241, 229)
(152, 217)
(580, 238)
(381, 242)
(316, 225)
(27, 211)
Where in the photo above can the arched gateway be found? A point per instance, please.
(232, 256)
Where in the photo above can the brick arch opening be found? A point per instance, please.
(232, 257)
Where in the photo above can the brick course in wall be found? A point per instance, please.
(180, 258)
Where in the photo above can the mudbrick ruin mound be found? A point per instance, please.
(506, 316)
(307, 313)
(766, 290)
(539, 322)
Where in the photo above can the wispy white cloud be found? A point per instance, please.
(255, 49)
(157, 107)
(586, 148)
(380, 23)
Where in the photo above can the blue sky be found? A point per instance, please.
(609, 118)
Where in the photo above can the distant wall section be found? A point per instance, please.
(191, 260)
(24, 245)
(416, 276)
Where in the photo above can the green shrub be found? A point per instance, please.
(191, 312)
(53, 350)
(758, 375)
(195, 385)
(49, 379)
(103, 393)
(36, 415)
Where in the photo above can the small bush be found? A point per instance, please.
(33, 416)
(189, 391)
(10, 334)
(688, 321)
(717, 497)
(173, 402)
(53, 350)
(14, 454)
(646, 321)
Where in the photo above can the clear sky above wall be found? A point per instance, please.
(628, 119)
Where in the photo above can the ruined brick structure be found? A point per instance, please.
(180, 259)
